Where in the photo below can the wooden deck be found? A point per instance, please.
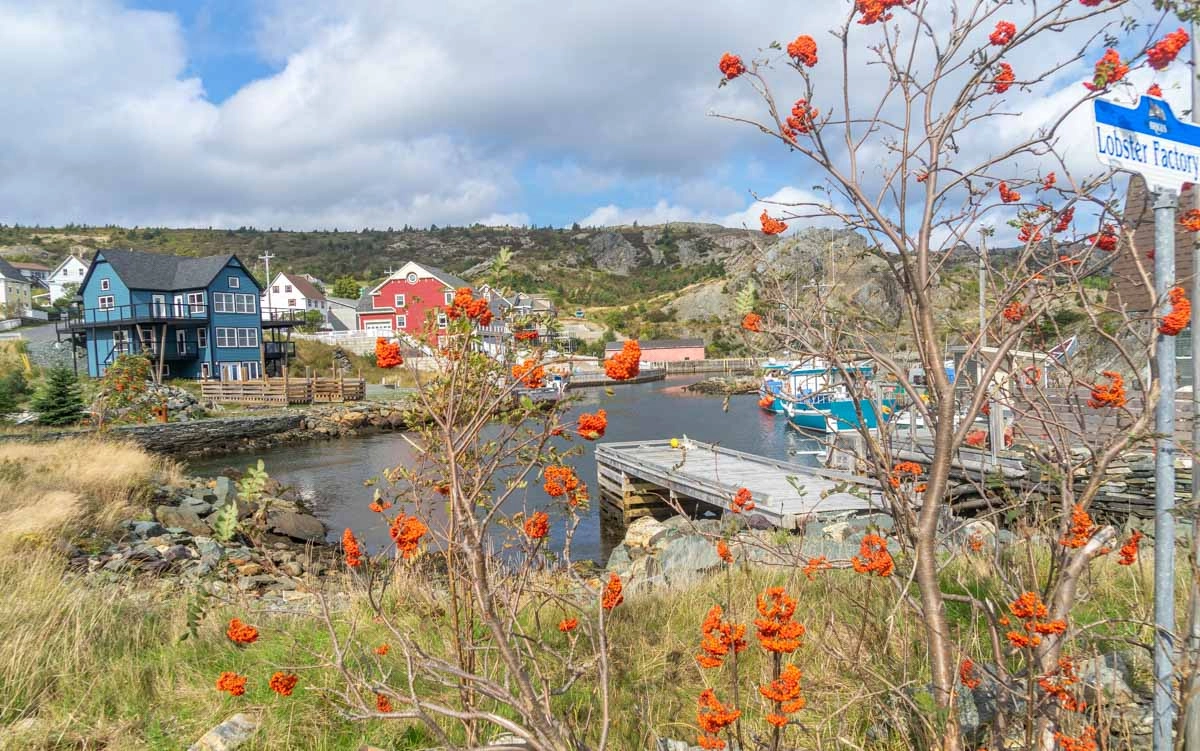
(644, 477)
(585, 380)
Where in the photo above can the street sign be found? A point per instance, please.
(1149, 140)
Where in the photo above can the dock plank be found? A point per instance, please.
(786, 495)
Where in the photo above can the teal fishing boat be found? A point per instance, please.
(823, 399)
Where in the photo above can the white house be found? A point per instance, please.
(71, 271)
(290, 292)
(16, 292)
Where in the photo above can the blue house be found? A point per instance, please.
(194, 317)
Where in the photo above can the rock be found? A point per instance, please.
(644, 533)
(297, 526)
(147, 529)
(229, 735)
(682, 559)
(177, 553)
(180, 518)
(201, 508)
(224, 491)
(210, 550)
(250, 569)
(292, 568)
(838, 531)
(1106, 679)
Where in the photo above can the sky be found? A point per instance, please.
(309, 114)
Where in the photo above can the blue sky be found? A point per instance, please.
(314, 114)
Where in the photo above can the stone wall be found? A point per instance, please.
(229, 434)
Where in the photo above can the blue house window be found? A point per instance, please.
(106, 302)
(228, 337)
(234, 282)
(104, 285)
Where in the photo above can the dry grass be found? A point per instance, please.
(82, 483)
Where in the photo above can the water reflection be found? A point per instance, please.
(332, 473)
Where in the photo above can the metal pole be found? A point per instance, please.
(1165, 202)
(1191, 693)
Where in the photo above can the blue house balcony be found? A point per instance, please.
(178, 313)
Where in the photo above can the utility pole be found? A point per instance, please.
(266, 259)
(1165, 202)
(1191, 689)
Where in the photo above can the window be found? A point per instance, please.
(228, 302)
(275, 289)
(287, 288)
(106, 302)
(226, 337)
(120, 339)
(449, 296)
(399, 301)
(205, 370)
(412, 277)
(166, 369)
(251, 370)
(247, 337)
(234, 283)
(181, 343)
(441, 320)
(202, 338)
(196, 306)
(292, 302)
(104, 285)
(401, 322)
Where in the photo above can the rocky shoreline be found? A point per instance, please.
(725, 386)
(278, 546)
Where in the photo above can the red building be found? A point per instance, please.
(402, 302)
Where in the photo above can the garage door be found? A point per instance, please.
(377, 326)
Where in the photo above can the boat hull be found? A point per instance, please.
(833, 416)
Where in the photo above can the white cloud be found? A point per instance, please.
(389, 114)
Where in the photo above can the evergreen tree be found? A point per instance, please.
(58, 401)
(8, 400)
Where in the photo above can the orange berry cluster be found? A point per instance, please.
(1165, 50)
(752, 322)
(592, 426)
(1030, 609)
(406, 532)
(803, 49)
(241, 633)
(1003, 34)
(1003, 80)
(387, 354)
(466, 304)
(351, 549)
(614, 593)
(873, 557)
(625, 364)
(1007, 195)
(718, 638)
(713, 717)
(537, 526)
(731, 66)
(771, 226)
(742, 501)
(1111, 394)
(777, 632)
(1181, 313)
(1108, 69)
(529, 374)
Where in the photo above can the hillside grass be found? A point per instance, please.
(86, 664)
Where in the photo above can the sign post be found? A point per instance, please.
(1150, 141)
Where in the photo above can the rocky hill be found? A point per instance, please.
(672, 280)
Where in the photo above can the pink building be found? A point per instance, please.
(663, 350)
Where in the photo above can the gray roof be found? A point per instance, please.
(447, 278)
(157, 271)
(366, 304)
(8, 272)
(658, 344)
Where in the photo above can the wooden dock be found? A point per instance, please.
(598, 378)
(642, 478)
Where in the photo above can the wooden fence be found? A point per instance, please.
(284, 391)
(689, 367)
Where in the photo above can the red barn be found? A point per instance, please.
(403, 300)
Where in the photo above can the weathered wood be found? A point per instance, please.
(284, 391)
(785, 495)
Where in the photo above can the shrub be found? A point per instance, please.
(58, 401)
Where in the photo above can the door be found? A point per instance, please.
(179, 307)
(231, 371)
(377, 326)
(120, 339)
(181, 345)
(158, 304)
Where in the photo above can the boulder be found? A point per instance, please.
(201, 508)
(297, 526)
(147, 529)
(683, 559)
(229, 735)
(1106, 679)
(224, 491)
(645, 532)
(181, 518)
